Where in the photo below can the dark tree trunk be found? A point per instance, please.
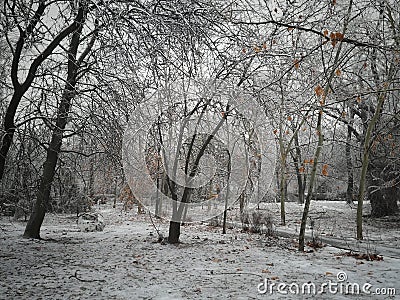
(32, 229)
(9, 129)
(349, 163)
(34, 224)
(350, 177)
(301, 184)
(174, 232)
(43, 196)
(91, 178)
(302, 188)
(241, 203)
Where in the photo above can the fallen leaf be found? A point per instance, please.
(274, 278)
(328, 273)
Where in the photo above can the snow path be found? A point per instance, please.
(125, 262)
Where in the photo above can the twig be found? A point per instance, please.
(238, 273)
(85, 280)
(160, 236)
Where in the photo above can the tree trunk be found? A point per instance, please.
(297, 164)
(32, 229)
(368, 134)
(311, 184)
(226, 206)
(9, 128)
(174, 232)
(365, 157)
(349, 167)
(320, 137)
(283, 193)
(283, 157)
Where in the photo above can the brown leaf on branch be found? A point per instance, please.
(319, 91)
(296, 63)
(339, 36)
(325, 170)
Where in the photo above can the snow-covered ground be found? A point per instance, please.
(125, 261)
(338, 219)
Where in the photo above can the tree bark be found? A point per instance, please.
(311, 183)
(174, 232)
(283, 157)
(297, 164)
(349, 162)
(32, 229)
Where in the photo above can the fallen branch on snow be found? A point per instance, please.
(85, 280)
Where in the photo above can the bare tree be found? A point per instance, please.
(16, 15)
(74, 63)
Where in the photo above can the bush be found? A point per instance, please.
(257, 222)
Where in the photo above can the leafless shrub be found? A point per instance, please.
(257, 222)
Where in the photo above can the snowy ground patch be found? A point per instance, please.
(124, 261)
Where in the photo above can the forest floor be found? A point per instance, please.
(125, 261)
